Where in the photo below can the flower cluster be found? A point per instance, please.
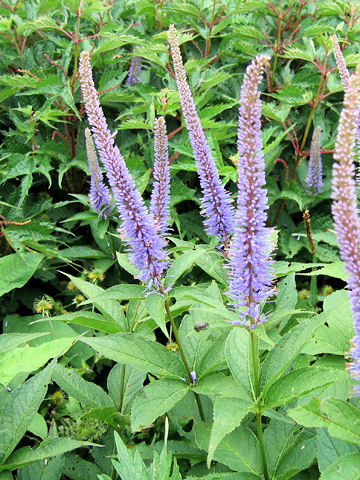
(314, 177)
(216, 202)
(160, 197)
(99, 193)
(250, 263)
(137, 224)
(344, 207)
(134, 71)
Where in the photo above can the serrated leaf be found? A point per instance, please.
(237, 353)
(17, 409)
(156, 399)
(144, 354)
(181, 264)
(16, 269)
(87, 393)
(346, 467)
(90, 320)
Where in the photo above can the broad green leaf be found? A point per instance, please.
(144, 354)
(133, 382)
(279, 436)
(124, 262)
(90, 320)
(226, 476)
(287, 349)
(154, 304)
(181, 264)
(38, 426)
(343, 419)
(8, 341)
(238, 354)
(29, 359)
(16, 269)
(336, 270)
(239, 450)
(17, 409)
(213, 358)
(298, 383)
(156, 399)
(329, 449)
(345, 467)
(49, 448)
(333, 337)
(109, 308)
(213, 264)
(87, 393)
(123, 292)
(228, 414)
(287, 296)
(130, 465)
(298, 458)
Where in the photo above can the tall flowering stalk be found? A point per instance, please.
(340, 61)
(314, 177)
(344, 207)
(99, 193)
(160, 197)
(250, 263)
(134, 71)
(137, 224)
(216, 203)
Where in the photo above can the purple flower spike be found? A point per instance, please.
(344, 207)
(314, 176)
(145, 244)
(134, 71)
(340, 61)
(216, 202)
(160, 197)
(250, 264)
(99, 193)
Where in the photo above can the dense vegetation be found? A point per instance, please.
(105, 377)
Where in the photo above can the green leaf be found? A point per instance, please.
(154, 305)
(87, 393)
(297, 458)
(144, 354)
(17, 409)
(238, 354)
(298, 383)
(16, 269)
(287, 296)
(329, 449)
(156, 399)
(347, 467)
(335, 335)
(109, 308)
(90, 320)
(123, 292)
(9, 341)
(130, 465)
(38, 426)
(213, 358)
(181, 264)
(49, 448)
(287, 349)
(133, 382)
(239, 450)
(29, 359)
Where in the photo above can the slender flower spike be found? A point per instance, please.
(137, 224)
(250, 263)
(216, 202)
(134, 71)
(160, 197)
(314, 177)
(344, 207)
(99, 193)
(340, 61)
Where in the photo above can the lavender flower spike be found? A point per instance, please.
(99, 193)
(250, 263)
(344, 207)
(160, 197)
(314, 176)
(145, 244)
(134, 71)
(216, 202)
(340, 61)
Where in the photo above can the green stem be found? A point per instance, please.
(255, 359)
(183, 357)
(122, 387)
(133, 321)
(277, 49)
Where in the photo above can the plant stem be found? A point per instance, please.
(183, 357)
(255, 359)
(122, 385)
